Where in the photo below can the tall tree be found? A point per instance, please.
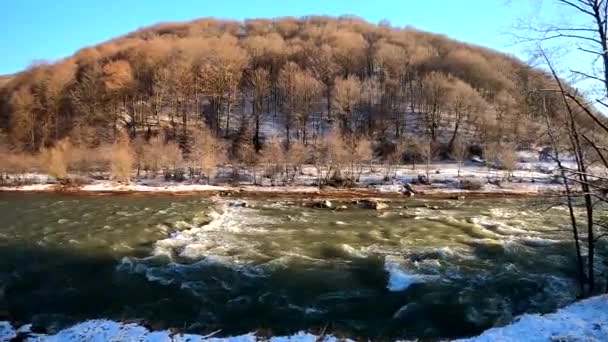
(346, 97)
(259, 81)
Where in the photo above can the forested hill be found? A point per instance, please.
(4, 79)
(291, 78)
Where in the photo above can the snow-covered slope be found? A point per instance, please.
(586, 320)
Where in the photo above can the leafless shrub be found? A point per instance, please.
(121, 162)
(273, 157)
(469, 184)
(207, 152)
(57, 159)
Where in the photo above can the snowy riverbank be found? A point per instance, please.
(586, 320)
(530, 178)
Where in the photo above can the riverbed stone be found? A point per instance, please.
(372, 204)
(323, 204)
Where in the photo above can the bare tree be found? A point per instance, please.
(207, 153)
(307, 89)
(587, 37)
(358, 154)
(273, 156)
(435, 87)
(288, 87)
(260, 84)
(459, 152)
(347, 95)
(463, 101)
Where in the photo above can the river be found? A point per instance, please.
(419, 269)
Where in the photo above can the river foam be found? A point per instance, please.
(399, 278)
(217, 238)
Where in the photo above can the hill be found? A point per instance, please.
(4, 79)
(293, 78)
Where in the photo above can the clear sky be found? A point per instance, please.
(48, 30)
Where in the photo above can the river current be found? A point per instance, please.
(419, 269)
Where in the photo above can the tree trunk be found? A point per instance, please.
(328, 97)
(258, 145)
(454, 134)
(227, 132)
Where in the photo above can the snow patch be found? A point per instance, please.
(586, 320)
(106, 330)
(6, 331)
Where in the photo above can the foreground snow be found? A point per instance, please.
(105, 330)
(586, 320)
(529, 178)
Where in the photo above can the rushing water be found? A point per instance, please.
(419, 269)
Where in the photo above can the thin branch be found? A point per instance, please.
(587, 111)
(597, 150)
(580, 73)
(571, 4)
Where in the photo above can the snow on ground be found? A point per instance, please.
(6, 331)
(139, 187)
(586, 320)
(529, 177)
(106, 330)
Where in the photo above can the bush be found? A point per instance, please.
(468, 184)
(57, 158)
(121, 160)
(74, 182)
(339, 181)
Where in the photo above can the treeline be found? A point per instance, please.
(294, 80)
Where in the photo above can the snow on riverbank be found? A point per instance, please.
(105, 330)
(529, 178)
(586, 320)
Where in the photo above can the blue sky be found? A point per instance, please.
(49, 30)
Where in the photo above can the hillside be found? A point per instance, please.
(4, 79)
(291, 77)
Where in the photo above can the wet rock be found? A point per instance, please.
(408, 190)
(239, 204)
(432, 207)
(381, 206)
(409, 187)
(422, 179)
(372, 204)
(323, 204)
(341, 208)
(407, 216)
